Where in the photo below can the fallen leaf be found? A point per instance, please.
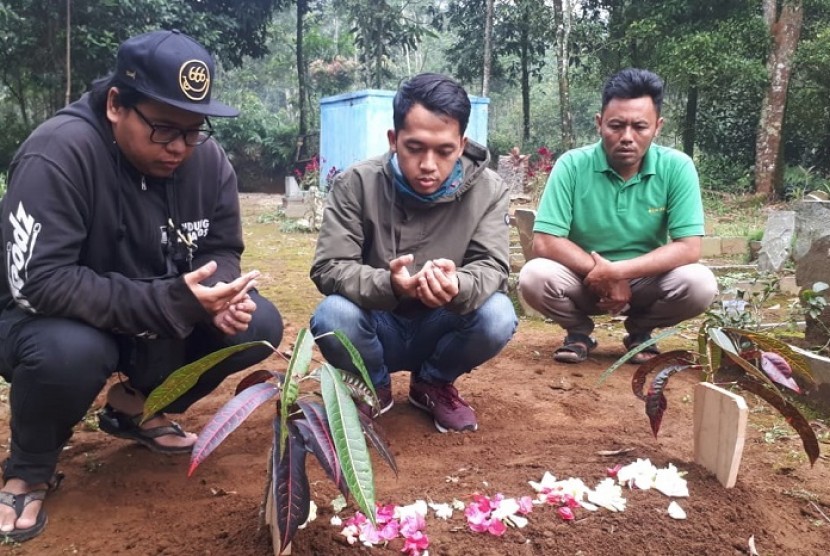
(751, 543)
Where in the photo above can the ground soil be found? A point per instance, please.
(535, 416)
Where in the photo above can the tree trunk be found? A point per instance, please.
(562, 16)
(525, 90)
(785, 32)
(302, 9)
(690, 121)
(488, 49)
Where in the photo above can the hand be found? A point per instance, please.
(616, 297)
(600, 278)
(437, 283)
(403, 284)
(221, 296)
(236, 317)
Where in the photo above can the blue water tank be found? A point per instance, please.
(353, 127)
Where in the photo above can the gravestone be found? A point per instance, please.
(525, 218)
(811, 223)
(777, 241)
(814, 267)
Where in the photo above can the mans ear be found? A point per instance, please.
(114, 108)
(390, 135)
(598, 121)
(659, 126)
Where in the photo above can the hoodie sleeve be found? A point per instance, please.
(338, 262)
(486, 264)
(44, 225)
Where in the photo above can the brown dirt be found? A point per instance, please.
(535, 415)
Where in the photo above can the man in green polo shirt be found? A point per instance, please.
(619, 228)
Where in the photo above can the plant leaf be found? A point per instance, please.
(618, 363)
(227, 419)
(359, 389)
(790, 413)
(297, 368)
(258, 377)
(357, 361)
(375, 435)
(797, 362)
(752, 371)
(777, 368)
(676, 357)
(349, 440)
(292, 496)
(182, 379)
(722, 340)
(321, 442)
(656, 402)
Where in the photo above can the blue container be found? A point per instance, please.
(353, 127)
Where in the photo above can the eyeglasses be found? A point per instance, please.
(165, 134)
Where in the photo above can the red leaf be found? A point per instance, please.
(258, 377)
(227, 419)
(676, 357)
(319, 439)
(374, 433)
(790, 413)
(655, 400)
(779, 371)
(292, 497)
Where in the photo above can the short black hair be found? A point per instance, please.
(634, 83)
(435, 92)
(127, 96)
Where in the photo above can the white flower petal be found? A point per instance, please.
(676, 512)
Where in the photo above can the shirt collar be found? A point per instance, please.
(648, 167)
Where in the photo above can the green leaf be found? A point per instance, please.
(183, 379)
(618, 363)
(357, 360)
(297, 368)
(348, 439)
(722, 340)
(797, 362)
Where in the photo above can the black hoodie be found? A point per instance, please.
(88, 237)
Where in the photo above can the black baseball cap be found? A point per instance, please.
(171, 67)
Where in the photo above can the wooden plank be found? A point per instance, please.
(719, 430)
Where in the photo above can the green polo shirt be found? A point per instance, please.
(586, 201)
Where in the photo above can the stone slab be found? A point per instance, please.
(525, 218)
(734, 245)
(776, 245)
(811, 223)
(710, 247)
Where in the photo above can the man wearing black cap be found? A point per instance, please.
(123, 240)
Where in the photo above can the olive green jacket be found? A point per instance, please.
(366, 224)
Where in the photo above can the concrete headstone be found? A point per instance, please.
(777, 241)
(812, 221)
(525, 218)
(814, 267)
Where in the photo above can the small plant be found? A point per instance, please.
(538, 170)
(745, 309)
(326, 423)
(755, 362)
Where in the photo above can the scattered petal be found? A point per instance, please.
(338, 504)
(336, 521)
(676, 512)
(312, 514)
(565, 513)
(670, 482)
(442, 511)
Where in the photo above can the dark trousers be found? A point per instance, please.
(57, 367)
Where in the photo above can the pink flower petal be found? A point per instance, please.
(565, 513)
(496, 528)
(525, 505)
(612, 471)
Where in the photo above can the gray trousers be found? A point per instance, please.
(656, 302)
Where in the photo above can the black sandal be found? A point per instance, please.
(18, 503)
(631, 341)
(575, 348)
(119, 424)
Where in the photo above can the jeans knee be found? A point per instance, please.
(336, 312)
(496, 320)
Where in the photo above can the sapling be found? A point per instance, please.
(753, 361)
(326, 423)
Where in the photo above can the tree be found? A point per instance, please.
(488, 48)
(785, 29)
(562, 17)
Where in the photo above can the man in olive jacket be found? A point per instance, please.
(413, 256)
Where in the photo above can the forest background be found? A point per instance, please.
(748, 81)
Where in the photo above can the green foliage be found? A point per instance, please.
(3, 184)
(720, 172)
(259, 136)
(326, 424)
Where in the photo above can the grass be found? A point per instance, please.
(734, 215)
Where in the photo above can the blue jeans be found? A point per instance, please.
(437, 345)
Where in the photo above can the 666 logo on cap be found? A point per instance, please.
(194, 79)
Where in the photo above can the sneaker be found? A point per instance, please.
(449, 410)
(385, 400)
